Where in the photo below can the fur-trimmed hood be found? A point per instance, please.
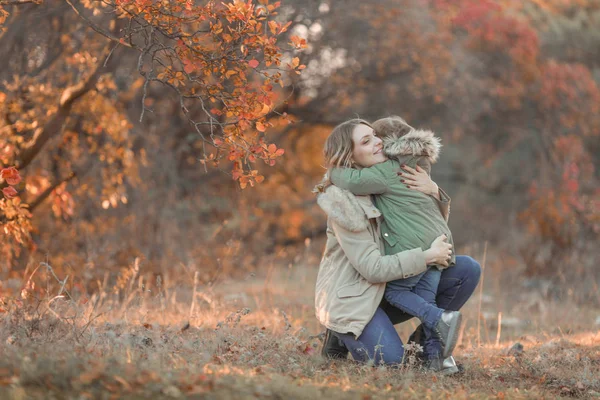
(415, 143)
(347, 210)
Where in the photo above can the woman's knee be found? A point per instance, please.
(471, 267)
(393, 359)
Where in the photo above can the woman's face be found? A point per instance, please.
(367, 147)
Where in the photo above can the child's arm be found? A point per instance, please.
(364, 181)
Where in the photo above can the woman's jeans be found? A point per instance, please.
(379, 340)
(416, 296)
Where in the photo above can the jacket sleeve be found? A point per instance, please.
(365, 255)
(361, 182)
(443, 204)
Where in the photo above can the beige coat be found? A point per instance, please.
(353, 272)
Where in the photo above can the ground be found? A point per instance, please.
(258, 338)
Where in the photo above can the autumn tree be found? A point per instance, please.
(513, 100)
(64, 95)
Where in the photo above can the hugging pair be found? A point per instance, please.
(358, 288)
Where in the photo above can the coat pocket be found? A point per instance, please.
(390, 239)
(406, 240)
(353, 289)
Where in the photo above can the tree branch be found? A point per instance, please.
(18, 2)
(44, 195)
(96, 27)
(69, 96)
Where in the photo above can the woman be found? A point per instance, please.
(353, 272)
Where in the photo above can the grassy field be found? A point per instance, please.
(144, 337)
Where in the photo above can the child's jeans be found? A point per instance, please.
(416, 296)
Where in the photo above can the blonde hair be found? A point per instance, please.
(393, 125)
(339, 145)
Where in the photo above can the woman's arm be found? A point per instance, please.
(443, 202)
(365, 255)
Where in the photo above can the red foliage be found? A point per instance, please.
(491, 28)
(10, 175)
(9, 192)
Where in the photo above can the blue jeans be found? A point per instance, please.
(379, 340)
(416, 296)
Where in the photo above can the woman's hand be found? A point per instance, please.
(439, 253)
(418, 179)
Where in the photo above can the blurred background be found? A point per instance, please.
(512, 88)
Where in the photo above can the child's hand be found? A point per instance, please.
(440, 252)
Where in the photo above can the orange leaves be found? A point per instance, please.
(15, 223)
(246, 179)
(3, 16)
(225, 60)
(250, 179)
(298, 43)
(272, 153)
(189, 66)
(295, 64)
(175, 78)
(63, 204)
(273, 27)
(260, 127)
(277, 29)
(239, 10)
(267, 153)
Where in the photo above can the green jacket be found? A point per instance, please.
(410, 218)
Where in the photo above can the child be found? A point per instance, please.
(410, 219)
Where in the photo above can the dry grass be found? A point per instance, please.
(258, 338)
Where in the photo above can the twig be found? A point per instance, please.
(97, 28)
(18, 2)
(63, 283)
(499, 329)
(194, 294)
(479, 316)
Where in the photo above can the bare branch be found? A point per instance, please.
(18, 2)
(96, 27)
(44, 195)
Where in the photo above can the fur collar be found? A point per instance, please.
(344, 208)
(415, 143)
